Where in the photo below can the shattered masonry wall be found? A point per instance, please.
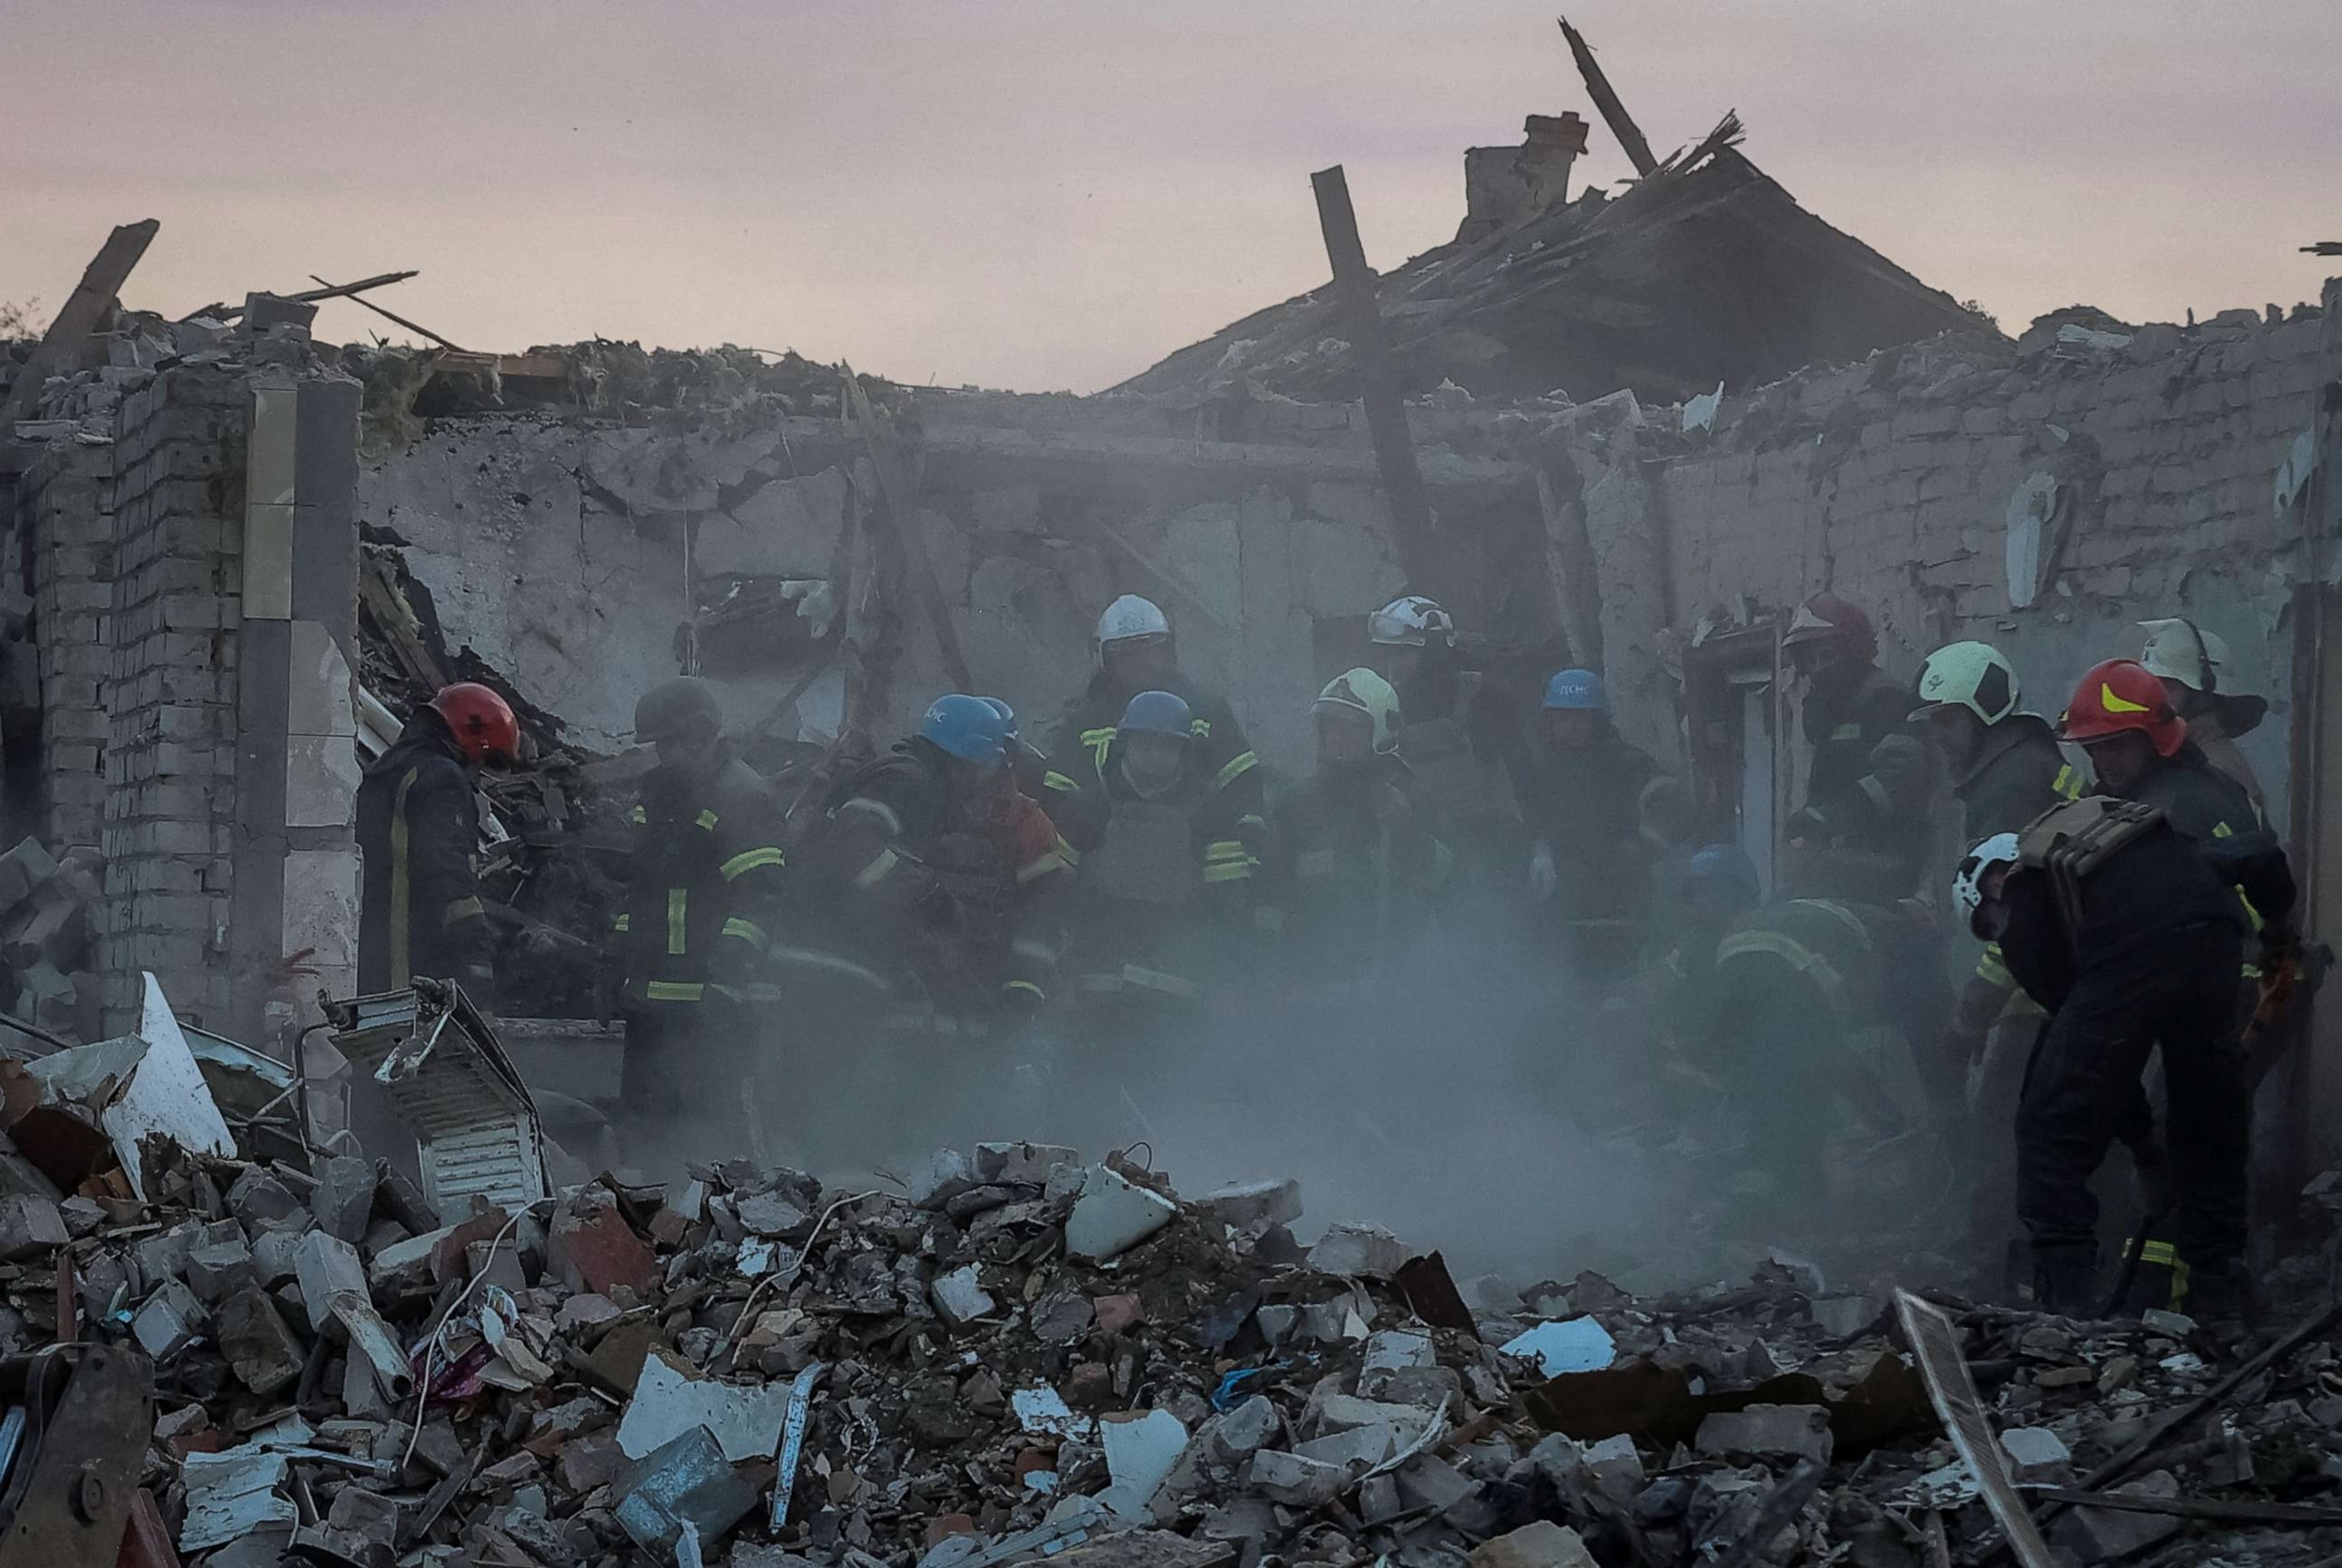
(1895, 481)
(67, 507)
(179, 454)
(555, 549)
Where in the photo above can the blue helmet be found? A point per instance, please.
(1579, 690)
(1159, 712)
(968, 728)
(1727, 863)
(1008, 715)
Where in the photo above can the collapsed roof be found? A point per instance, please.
(1705, 270)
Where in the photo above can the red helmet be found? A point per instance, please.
(1826, 617)
(2119, 694)
(481, 719)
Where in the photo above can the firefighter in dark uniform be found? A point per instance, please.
(2125, 914)
(1463, 750)
(1353, 870)
(2188, 659)
(1135, 654)
(702, 897)
(419, 834)
(2005, 768)
(936, 867)
(1161, 914)
(1850, 703)
(1589, 863)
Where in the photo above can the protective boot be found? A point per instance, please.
(2158, 1282)
(2066, 1280)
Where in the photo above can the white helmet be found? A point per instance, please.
(1413, 622)
(1972, 675)
(1364, 691)
(2179, 649)
(1131, 617)
(1967, 881)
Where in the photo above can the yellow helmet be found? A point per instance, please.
(1363, 691)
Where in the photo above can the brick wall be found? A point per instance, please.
(179, 457)
(65, 505)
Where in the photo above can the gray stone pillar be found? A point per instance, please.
(293, 837)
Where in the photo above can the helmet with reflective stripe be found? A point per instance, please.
(1579, 690)
(1159, 713)
(1726, 864)
(968, 728)
(1967, 881)
(1413, 622)
(1365, 691)
(1826, 617)
(481, 719)
(1971, 675)
(1130, 617)
(2179, 649)
(2119, 694)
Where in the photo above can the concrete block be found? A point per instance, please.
(1768, 1432)
(2036, 1453)
(1112, 1214)
(1541, 1543)
(326, 1264)
(945, 1176)
(1357, 1450)
(960, 1298)
(344, 1197)
(1142, 1449)
(1616, 1467)
(2103, 1536)
(1245, 1205)
(260, 1350)
(1294, 1479)
(1021, 1164)
(1367, 1251)
(30, 1224)
(171, 1320)
(262, 1202)
(219, 1263)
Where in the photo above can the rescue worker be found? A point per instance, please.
(934, 863)
(1353, 870)
(2139, 749)
(1135, 654)
(1720, 885)
(2187, 660)
(702, 897)
(419, 835)
(1462, 752)
(2005, 769)
(1588, 863)
(1161, 912)
(2130, 932)
(1850, 703)
(1800, 1025)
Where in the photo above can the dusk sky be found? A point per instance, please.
(1045, 196)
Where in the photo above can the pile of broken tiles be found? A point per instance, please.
(1019, 1356)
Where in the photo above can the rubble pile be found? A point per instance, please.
(1016, 1355)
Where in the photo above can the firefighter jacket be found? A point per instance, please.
(1351, 872)
(2018, 772)
(2212, 729)
(1077, 750)
(1167, 891)
(965, 896)
(1799, 1002)
(704, 889)
(419, 833)
(1464, 752)
(2206, 805)
(2160, 882)
(1584, 808)
(1846, 714)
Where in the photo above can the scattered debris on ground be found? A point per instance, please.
(1017, 1354)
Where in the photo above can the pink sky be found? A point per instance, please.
(1043, 195)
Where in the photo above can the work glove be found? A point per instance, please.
(2280, 967)
(1543, 879)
